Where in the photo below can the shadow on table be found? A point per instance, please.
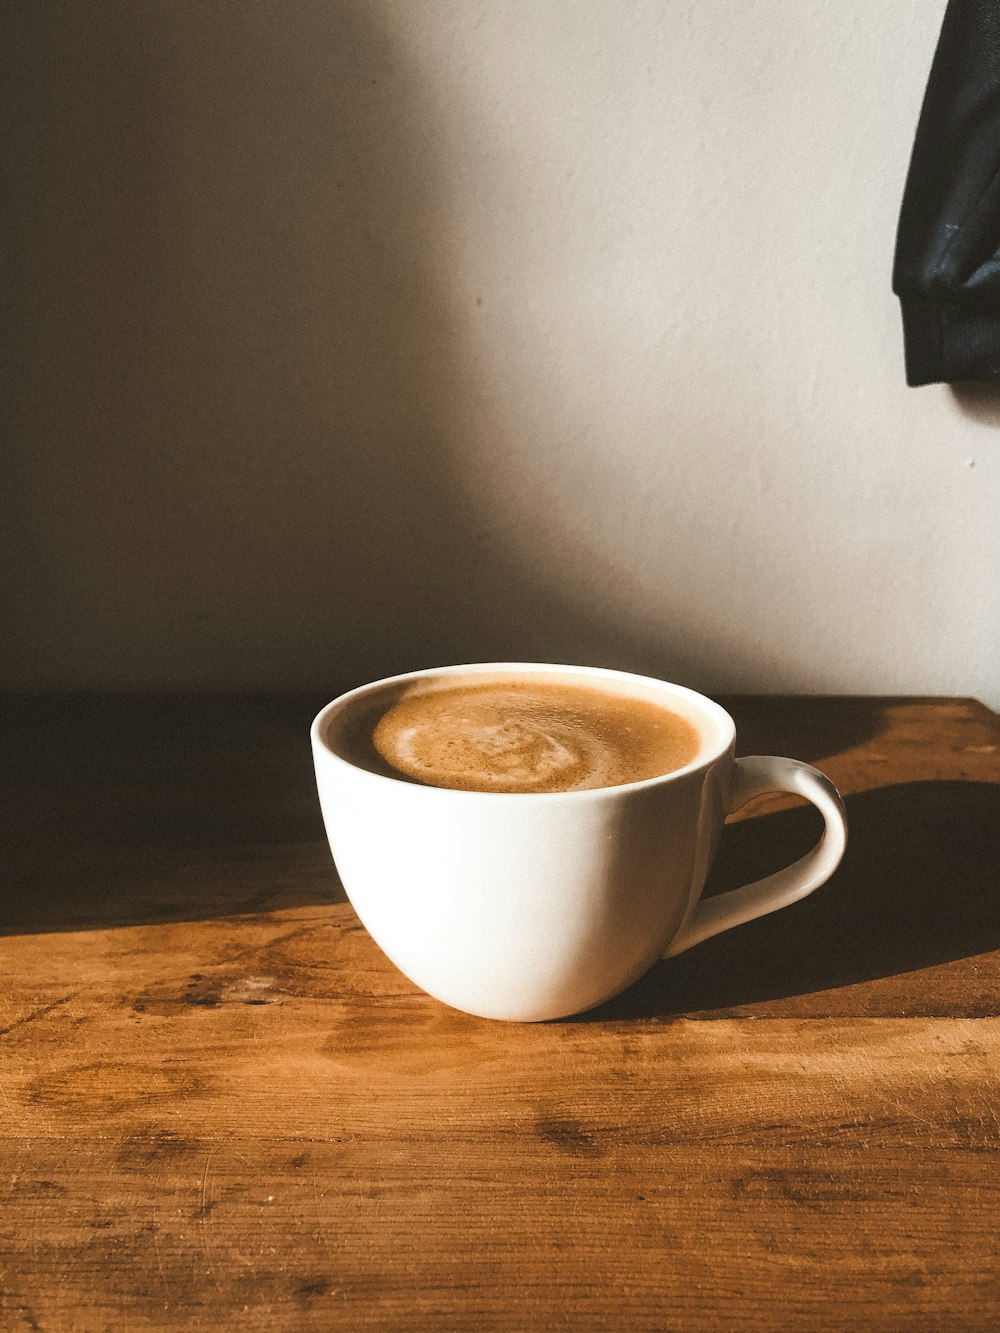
(918, 886)
(135, 810)
(123, 810)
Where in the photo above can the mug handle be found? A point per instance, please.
(754, 776)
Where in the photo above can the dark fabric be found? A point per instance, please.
(947, 266)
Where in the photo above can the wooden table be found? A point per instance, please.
(223, 1108)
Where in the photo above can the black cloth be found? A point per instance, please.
(947, 264)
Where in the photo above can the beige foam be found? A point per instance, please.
(530, 735)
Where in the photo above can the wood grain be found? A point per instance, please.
(221, 1106)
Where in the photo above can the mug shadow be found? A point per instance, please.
(918, 886)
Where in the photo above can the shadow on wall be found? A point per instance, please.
(228, 463)
(256, 444)
(979, 401)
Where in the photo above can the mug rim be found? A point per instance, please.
(725, 723)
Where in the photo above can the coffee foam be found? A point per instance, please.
(530, 734)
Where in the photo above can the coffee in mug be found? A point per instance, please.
(525, 840)
(530, 733)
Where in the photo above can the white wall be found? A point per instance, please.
(374, 335)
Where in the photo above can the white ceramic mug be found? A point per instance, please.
(534, 906)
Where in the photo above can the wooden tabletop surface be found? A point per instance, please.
(223, 1108)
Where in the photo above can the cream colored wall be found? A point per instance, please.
(362, 336)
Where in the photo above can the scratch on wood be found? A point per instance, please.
(159, 1256)
(37, 1013)
(203, 1213)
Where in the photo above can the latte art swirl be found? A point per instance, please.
(528, 754)
(530, 735)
